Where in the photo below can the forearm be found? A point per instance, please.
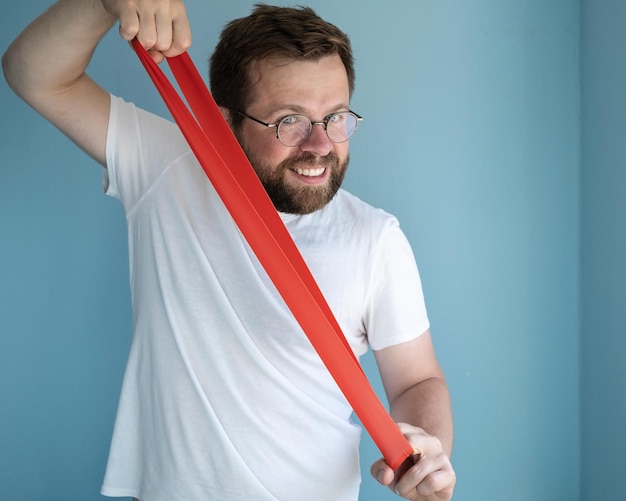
(52, 53)
(427, 406)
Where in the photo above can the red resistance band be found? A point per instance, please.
(234, 179)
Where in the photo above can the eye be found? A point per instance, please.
(289, 120)
(335, 118)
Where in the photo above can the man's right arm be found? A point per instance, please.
(45, 65)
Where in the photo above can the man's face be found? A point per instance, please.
(304, 178)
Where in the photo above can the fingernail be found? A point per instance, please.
(380, 475)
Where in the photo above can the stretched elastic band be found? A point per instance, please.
(230, 172)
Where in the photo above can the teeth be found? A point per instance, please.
(311, 172)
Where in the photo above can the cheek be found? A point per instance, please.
(342, 149)
(273, 152)
(264, 148)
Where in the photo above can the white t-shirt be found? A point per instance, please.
(224, 397)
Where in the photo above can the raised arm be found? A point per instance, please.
(45, 65)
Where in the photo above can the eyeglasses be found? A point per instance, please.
(293, 130)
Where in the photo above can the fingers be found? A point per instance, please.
(382, 472)
(128, 19)
(421, 441)
(181, 36)
(161, 26)
(432, 475)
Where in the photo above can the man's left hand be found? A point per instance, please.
(431, 478)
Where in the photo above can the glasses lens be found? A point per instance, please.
(293, 130)
(341, 126)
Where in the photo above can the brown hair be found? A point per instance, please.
(282, 32)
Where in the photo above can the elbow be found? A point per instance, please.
(6, 68)
(9, 70)
(17, 74)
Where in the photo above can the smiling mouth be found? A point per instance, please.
(310, 172)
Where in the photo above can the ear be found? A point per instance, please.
(226, 114)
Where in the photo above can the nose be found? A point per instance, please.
(317, 142)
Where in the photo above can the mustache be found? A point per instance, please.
(330, 160)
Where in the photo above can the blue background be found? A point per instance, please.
(494, 131)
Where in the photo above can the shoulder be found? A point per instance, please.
(127, 115)
(346, 225)
(136, 135)
(140, 147)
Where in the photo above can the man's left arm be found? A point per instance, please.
(419, 402)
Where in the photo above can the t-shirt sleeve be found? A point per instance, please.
(139, 147)
(396, 311)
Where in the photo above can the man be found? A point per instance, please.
(224, 397)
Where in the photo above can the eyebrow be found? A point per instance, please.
(294, 108)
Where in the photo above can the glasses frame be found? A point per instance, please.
(323, 123)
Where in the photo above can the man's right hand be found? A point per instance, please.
(161, 26)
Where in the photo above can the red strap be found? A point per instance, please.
(230, 172)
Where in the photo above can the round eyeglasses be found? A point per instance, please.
(293, 130)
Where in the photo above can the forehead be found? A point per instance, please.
(309, 84)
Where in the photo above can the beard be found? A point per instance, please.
(300, 198)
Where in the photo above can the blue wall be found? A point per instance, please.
(471, 138)
(603, 284)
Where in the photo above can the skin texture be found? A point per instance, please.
(46, 66)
